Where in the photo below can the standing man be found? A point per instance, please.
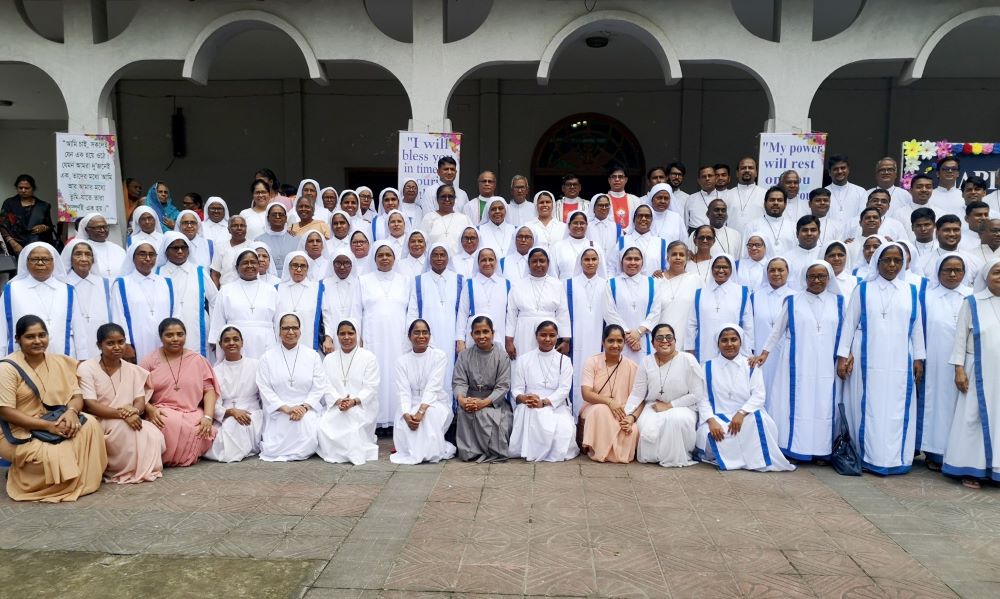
(947, 196)
(696, 209)
(447, 171)
(846, 198)
(790, 182)
(777, 230)
(623, 204)
(133, 198)
(746, 200)
(675, 177)
(722, 178)
(654, 177)
(900, 206)
(727, 240)
(807, 250)
(570, 200)
(487, 183)
(819, 206)
(520, 211)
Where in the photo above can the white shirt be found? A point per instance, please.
(746, 205)
(947, 201)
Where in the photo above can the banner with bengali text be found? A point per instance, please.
(87, 175)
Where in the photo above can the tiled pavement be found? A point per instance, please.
(570, 529)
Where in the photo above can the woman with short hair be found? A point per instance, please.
(481, 383)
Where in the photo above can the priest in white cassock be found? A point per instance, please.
(544, 429)
(806, 251)
(485, 292)
(630, 301)
(519, 209)
(238, 415)
(292, 386)
(639, 234)
(475, 209)
(216, 222)
(383, 324)
(423, 402)
(347, 427)
(94, 228)
(92, 295)
(846, 198)
(585, 293)
(39, 288)
(566, 251)
(746, 200)
(971, 452)
(719, 301)
(248, 304)
(727, 239)
(202, 248)
(766, 300)
(774, 226)
(802, 398)
(434, 297)
(194, 292)
(881, 358)
(447, 172)
(942, 303)
(494, 230)
(341, 297)
(302, 296)
(536, 298)
(141, 299)
(667, 224)
(735, 431)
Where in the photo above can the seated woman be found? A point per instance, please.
(347, 427)
(481, 382)
(41, 471)
(735, 391)
(115, 392)
(238, 413)
(425, 412)
(292, 385)
(543, 419)
(608, 434)
(180, 405)
(672, 383)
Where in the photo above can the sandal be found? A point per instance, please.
(971, 483)
(934, 466)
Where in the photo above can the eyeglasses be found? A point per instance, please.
(643, 216)
(289, 329)
(949, 169)
(40, 260)
(571, 184)
(705, 238)
(753, 245)
(446, 197)
(664, 338)
(953, 271)
(298, 266)
(177, 248)
(470, 238)
(524, 237)
(146, 255)
(96, 227)
(819, 277)
(617, 177)
(887, 170)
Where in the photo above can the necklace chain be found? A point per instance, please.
(664, 375)
(177, 384)
(291, 371)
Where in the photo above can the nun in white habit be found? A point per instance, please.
(766, 300)
(217, 231)
(494, 230)
(881, 357)
(340, 227)
(238, 413)
(145, 227)
(347, 427)
(108, 254)
(801, 346)
(300, 295)
(92, 294)
(536, 298)
(414, 257)
(424, 403)
(393, 227)
(194, 291)
(971, 452)
(585, 296)
(383, 324)
(544, 428)
(735, 432)
(566, 252)
(514, 263)
(248, 304)
(314, 246)
(141, 299)
(39, 288)
(292, 385)
(434, 297)
(485, 292)
(752, 266)
(630, 302)
(202, 248)
(719, 301)
(267, 271)
(341, 297)
(942, 303)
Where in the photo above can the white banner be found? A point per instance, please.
(803, 153)
(419, 152)
(87, 174)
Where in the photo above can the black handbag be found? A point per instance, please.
(53, 414)
(844, 458)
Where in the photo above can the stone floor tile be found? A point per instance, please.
(823, 563)
(319, 547)
(844, 587)
(895, 564)
(268, 524)
(915, 589)
(630, 582)
(754, 586)
(971, 590)
(500, 579)
(188, 544)
(803, 539)
(241, 544)
(423, 577)
(676, 560)
(762, 561)
(560, 580)
(955, 567)
(321, 593)
(334, 526)
(447, 511)
(345, 574)
(702, 585)
(432, 551)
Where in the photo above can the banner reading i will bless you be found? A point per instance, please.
(419, 152)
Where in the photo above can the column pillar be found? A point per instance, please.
(489, 125)
(690, 139)
(428, 92)
(294, 166)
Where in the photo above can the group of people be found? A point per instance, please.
(722, 326)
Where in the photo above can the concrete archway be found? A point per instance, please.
(915, 69)
(625, 22)
(218, 32)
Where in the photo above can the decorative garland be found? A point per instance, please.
(915, 152)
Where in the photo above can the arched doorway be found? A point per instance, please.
(587, 144)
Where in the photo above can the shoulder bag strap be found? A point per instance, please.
(7, 433)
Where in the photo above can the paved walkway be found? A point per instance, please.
(574, 529)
